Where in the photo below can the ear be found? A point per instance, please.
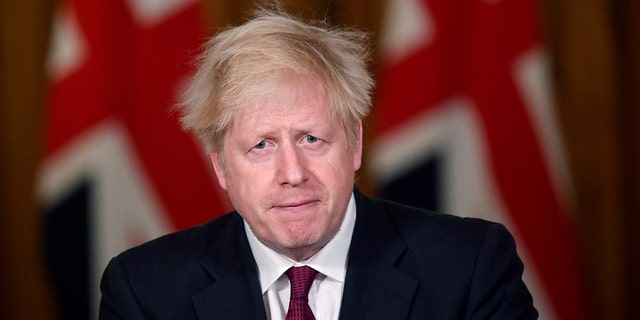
(218, 170)
(357, 155)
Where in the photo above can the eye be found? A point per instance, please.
(261, 145)
(311, 139)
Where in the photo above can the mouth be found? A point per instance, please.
(296, 204)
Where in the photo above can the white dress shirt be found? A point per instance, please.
(325, 295)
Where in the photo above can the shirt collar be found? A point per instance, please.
(331, 260)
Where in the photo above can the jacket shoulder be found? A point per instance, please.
(190, 243)
(438, 240)
(473, 261)
(158, 278)
(426, 225)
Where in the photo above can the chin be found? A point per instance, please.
(301, 250)
(298, 241)
(301, 241)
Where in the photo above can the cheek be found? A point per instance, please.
(249, 183)
(339, 173)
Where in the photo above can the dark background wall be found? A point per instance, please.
(596, 68)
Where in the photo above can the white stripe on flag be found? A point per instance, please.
(68, 48)
(150, 12)
(407, 26)
(531, 74)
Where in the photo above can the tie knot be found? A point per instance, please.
(301, 279)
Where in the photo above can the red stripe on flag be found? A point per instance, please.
(132, 74)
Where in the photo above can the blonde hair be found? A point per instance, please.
(238, 63)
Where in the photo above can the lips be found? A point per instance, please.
(295, 204)
(291, 199)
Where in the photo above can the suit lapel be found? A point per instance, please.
(235, 292)
(374, 287)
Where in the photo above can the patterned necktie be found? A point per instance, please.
(301, 279)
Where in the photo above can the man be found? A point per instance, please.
(279, 105)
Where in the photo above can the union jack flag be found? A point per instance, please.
(466, 125)
(117, 169)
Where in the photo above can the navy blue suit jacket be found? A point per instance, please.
(404, 263)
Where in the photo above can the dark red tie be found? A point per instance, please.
(301, 279)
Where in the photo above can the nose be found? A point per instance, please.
(291, 166)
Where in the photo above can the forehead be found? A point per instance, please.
(293, 96)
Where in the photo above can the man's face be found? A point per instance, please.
(288, 169)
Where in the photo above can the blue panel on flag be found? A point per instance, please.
(417, 187)
(67, 252)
